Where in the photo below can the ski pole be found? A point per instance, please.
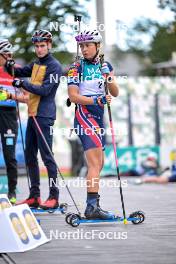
(78, 18)
(50, 151)
(21, 132)
(114, 144)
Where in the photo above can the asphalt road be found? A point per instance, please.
(154, 241)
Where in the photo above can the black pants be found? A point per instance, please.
(8, 132)
(34, 142)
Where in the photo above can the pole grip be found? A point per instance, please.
(77, 18)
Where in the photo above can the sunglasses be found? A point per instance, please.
(38, 39)
(83, 38)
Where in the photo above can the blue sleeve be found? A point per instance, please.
(52, 77)
(109, 66)
(26, 71)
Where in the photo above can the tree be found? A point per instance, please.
(170, 4)
(150, 39)
(19, 19)
(142, 29)
(163, 44)
(161, 40)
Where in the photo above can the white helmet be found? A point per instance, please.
(42, 35)
(5, 46)
(89, 36)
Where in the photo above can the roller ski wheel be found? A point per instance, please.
(75, 220)
(68, 217)
(63, 207)
(51, 211)
(140, 217)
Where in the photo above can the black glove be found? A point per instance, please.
(9, 66)
(17, 83)
(68, 102)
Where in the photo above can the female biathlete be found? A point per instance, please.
(86, 90)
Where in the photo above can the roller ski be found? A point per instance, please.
(62, 208)
(95, 214)
(75, 219)
(51, 205)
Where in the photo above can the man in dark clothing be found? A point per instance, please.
(45, 73)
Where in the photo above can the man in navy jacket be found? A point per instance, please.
(45, 73)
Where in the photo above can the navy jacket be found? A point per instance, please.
(45, 76)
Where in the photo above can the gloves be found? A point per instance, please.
(4, 95)
(17, 83)
(9, 65)
(100, 100)
(68, 102)
(105, 69)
